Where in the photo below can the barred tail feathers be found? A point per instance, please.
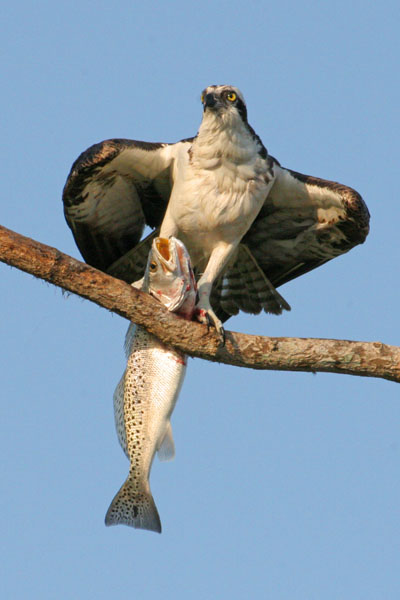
(244, 286)
(133, 508)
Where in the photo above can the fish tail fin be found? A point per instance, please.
(134, 508)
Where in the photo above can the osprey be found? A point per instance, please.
(250, 225)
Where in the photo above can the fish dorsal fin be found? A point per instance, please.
(166, 449)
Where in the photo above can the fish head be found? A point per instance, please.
(169, 276)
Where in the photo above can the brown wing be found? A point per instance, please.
(304, 222)
(114, 189)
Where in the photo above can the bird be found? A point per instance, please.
(250, 225)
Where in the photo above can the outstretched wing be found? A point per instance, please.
(114, 189)
(304, 222)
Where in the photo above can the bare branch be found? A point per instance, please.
(368, 359)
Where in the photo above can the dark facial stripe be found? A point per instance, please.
(242, 110)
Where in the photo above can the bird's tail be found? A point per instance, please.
(244, 286)
(134, 508)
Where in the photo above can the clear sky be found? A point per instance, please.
(285, 485)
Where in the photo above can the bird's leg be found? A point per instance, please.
(217, 261)
(168, 226)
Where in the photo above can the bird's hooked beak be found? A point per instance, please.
(211, 101)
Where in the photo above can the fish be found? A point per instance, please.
(148, 390)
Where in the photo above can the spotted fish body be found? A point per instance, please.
(147, 392)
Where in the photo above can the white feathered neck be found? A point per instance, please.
(225, 135)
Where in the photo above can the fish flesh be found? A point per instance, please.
(148, 390)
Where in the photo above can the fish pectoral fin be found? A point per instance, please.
(166, 449)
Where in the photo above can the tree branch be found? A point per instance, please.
(367, 359)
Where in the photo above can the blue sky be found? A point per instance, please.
(285, 485)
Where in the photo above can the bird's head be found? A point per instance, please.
(224, 102)
(224, 130)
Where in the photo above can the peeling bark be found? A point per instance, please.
(367, 359)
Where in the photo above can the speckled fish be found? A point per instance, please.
(147, 392)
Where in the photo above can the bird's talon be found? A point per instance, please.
(207, 317)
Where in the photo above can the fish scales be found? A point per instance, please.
(146, 395)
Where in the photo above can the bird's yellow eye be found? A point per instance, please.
(231, 96)
(202, 98)
(153, 266)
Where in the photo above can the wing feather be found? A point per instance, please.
(114, 189)
(132, 265)
(244, 286)
(305, 222)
